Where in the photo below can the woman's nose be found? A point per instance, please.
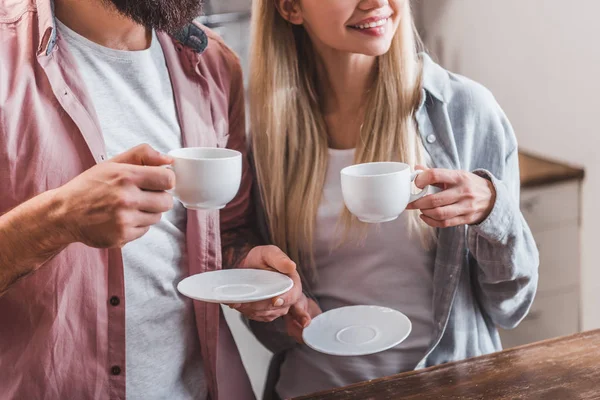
(366, 5)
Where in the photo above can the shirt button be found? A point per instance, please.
(431, 139)
(115, 370)
(115, 301)
(102, 157)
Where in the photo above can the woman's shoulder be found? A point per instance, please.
(471, 108)
(458, 92)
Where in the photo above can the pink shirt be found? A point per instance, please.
(62, 329)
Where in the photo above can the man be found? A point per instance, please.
(91, 245)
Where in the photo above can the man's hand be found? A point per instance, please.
(271, 258)
(116, 202)
(107, 206)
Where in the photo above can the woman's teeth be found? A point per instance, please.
(370, 25)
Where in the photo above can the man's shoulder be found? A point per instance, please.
(217, 50)
(12, 11)
(213, 54)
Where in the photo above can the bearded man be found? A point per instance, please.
(93, 94)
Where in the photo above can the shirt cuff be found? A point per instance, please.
(497, 224)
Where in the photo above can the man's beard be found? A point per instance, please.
(162, 15)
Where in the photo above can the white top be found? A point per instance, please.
(132, 94)
(387, 269)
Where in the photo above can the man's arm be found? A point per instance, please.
(106, 206)
(30, 235)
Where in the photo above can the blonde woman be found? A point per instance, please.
(339, 82)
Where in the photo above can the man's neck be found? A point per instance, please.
(101, 23)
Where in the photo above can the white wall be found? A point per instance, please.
(541, 58)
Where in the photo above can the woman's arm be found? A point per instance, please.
(503, 253)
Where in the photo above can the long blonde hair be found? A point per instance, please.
(289, 135)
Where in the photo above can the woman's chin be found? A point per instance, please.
(374, 50)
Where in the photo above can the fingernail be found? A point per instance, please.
(235, 306)
(278, 302)
(305, 322)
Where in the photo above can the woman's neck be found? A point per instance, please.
(344, 80)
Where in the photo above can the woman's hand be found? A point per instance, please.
(465, 199)
(271, 258)
(300, 316)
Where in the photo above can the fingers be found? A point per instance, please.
(145, 219)
(143, 155)
(447, 212)
(271, 257)
(263, 316)
(299, 314)
(443, 198)
(294, 329)
(251, 308)
(131, 235)
(292, 296)
(461, 220)
(154, 178)
(155, 202)
(436, 176)
(275, 304)
(266, 310)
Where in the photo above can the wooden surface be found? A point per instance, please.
(538, 171)
(558, 369)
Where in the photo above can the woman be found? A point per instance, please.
(339, 82)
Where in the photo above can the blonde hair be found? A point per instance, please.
(289, 135)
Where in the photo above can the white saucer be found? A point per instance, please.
(357, 330)
(230, 286)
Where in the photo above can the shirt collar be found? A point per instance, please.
(46, 26)
(435, 78)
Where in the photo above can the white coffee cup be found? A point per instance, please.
(379, 191)
(206, 178)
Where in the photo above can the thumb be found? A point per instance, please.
(143, 155)
(275, 258)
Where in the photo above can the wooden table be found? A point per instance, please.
(557, 369)
(539, 171)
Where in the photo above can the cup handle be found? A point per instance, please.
(172, 191)
(417, 196)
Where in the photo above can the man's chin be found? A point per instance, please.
(162, 15)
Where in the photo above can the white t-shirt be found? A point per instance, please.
(387, 269)
(133, 97)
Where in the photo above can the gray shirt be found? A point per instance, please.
(387, 267)
(132, 96)
(486, 275)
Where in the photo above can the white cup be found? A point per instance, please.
(206, 178)
(379, 191)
